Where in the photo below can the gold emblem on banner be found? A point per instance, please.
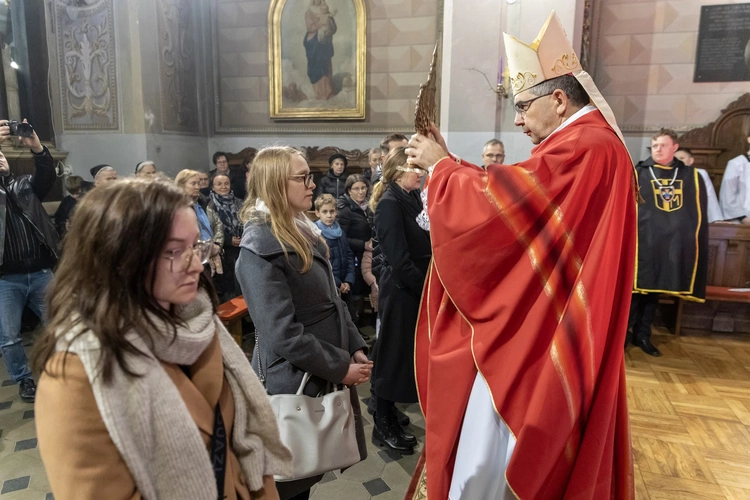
(667, 197)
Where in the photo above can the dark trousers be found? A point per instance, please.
(642, 310)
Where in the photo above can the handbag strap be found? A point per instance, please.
(219, 451)
(261, 375)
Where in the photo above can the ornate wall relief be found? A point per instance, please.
(87, 65)
(178, 74)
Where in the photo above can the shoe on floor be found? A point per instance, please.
(647, 347)
(386, 433)
(27, 390)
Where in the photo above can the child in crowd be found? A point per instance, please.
(340, 255)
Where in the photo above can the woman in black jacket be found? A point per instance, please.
(333, 182)
(355, 218)
(407, 251)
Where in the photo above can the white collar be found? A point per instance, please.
(578, 114)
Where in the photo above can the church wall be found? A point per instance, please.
(644, 59)
(128, 82)
(401, 35)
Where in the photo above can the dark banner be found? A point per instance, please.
(723, 44)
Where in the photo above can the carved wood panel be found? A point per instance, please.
(728, 265)
(317, 158)
(720, 141)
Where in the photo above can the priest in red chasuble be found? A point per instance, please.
(519, 346)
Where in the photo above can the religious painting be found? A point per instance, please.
(317, 57)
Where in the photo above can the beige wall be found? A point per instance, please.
(401, 35)
(644, 57)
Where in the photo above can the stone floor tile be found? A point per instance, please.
(8, 382)
(28, 414)
(376, 486)
(5, 405)
(20, 464)
(396, 477)
(340, 490)
(328, 476)
(26, 444)
(22, 430)
(364, 471)
(15, 484)
(389, 456)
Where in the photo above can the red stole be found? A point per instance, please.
(530, 284)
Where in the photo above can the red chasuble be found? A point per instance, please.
(530, 285)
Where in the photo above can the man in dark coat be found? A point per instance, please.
(334, 181)
(28, 252)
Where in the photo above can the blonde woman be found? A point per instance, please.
(209, 222)
(407, 251)
(283, 269)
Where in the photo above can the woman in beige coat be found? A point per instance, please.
(143, 393)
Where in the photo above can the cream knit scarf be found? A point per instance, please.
(151, 426)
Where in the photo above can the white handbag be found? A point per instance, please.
(319, 431)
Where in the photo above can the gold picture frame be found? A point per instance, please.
(317, 57)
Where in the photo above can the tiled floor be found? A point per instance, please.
(22, 475)
(382, 476)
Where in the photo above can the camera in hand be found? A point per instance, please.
(20, 129)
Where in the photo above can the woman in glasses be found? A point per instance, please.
(142, 388)
(209, 222)
(406, 247)
(355, 218)
(283, 269)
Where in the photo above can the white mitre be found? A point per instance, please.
(549, 56)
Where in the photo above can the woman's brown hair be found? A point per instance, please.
(105, 278)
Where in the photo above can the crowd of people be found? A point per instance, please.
(514, 278)
(145, 316)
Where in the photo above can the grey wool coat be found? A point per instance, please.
(303, 325)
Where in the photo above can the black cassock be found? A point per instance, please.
(672, 247)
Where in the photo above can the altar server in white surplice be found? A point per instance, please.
(735, 188)
(714, 209)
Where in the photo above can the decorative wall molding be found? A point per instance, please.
(87, 64)
(178, 76)
(586, 34)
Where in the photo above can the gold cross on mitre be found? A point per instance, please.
(549, 56)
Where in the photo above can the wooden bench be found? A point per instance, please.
(715, 293)
(231, 314)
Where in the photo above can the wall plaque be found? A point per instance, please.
(723, 44)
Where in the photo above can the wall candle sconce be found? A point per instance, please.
(503, 83)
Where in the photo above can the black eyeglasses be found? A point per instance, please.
(522, 107)
(306, 178)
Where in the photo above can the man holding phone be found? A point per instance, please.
(28, 249)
